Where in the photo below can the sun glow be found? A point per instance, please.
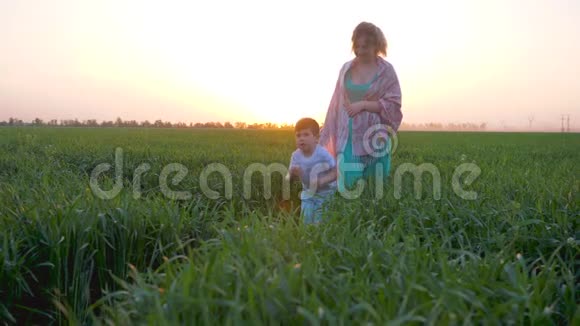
(271, 68)
(260, 61)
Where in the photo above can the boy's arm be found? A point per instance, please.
(294, 170)
(328, 177)
(331, 175)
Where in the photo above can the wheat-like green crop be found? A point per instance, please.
(67, 256)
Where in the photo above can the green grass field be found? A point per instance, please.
(512, 255)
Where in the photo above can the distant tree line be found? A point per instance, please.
(143, 124)
(119, 122)
(467, 126)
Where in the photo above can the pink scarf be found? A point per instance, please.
(384, 89)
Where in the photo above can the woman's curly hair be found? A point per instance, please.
(374, 34)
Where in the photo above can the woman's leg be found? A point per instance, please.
(379, 168)
(348, 176)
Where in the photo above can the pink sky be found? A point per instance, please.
(498, 62)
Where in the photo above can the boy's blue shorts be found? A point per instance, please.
(313, 207)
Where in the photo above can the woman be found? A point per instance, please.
(366, 100)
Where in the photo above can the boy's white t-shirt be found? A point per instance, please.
(314, 166)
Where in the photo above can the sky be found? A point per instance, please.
(494, 61)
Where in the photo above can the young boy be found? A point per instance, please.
(315, 167)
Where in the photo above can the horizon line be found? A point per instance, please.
(159, 123)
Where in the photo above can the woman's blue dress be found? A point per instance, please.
(366, 164)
